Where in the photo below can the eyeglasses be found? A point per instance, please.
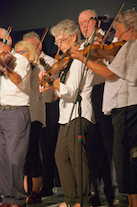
(22, 52)
(61, 41)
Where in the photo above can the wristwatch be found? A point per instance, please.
(3, 69)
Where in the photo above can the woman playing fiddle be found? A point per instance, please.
(121, 101)
(67, 148)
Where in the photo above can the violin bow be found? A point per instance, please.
(43, 36)
(119, 10)
(8, 32)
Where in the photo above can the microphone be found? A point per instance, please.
(105, 18)
(5, 41)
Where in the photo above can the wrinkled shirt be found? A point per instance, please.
(68, 90)
(122, 91)
(37, 106)
(17, 95)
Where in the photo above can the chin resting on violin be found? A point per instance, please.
(67, 35)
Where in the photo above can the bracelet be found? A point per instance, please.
(51, 82)
(3, 69)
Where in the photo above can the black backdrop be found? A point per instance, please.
(48, 43)
(29, 14)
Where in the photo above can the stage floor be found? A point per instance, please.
(52, 201)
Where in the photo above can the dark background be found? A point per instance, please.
(28, 15)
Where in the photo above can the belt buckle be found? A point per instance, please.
(7, 107)
(2, 108)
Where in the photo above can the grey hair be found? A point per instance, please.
(69, 27)
(31, 35)
(128, 18)
(93, 12)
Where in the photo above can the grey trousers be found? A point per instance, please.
(14, 140)
(67, 160)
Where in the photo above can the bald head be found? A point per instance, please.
(4, 35)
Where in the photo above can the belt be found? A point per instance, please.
(7, 107)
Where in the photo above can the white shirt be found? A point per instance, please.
(49, 61)
(37, 106)
(17, 95)
(122, 92)
(68, 91)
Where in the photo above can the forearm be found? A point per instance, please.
(100, 69)
(56, 85)
(13, 76)
(95, 67)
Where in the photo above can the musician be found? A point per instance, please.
(99, 138)
(14, 126)
(67, 35)
(34, 39)
(49, 133)
(121, 101)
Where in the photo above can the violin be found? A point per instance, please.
(8, 59)
(103, 51)
(44, 64)
(61, 62)
(107, 52)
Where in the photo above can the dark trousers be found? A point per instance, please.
(33, 164)
(98, 161)
(100, 146)
(67, 160)
(125, 148)
(48, 143)
(14, 140)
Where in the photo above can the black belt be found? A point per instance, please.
(7, 107)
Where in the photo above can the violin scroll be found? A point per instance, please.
(44, 64)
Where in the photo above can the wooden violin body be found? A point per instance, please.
(7, 59)
(107, 52)
(56, 68)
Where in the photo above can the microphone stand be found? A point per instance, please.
(78, 98)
